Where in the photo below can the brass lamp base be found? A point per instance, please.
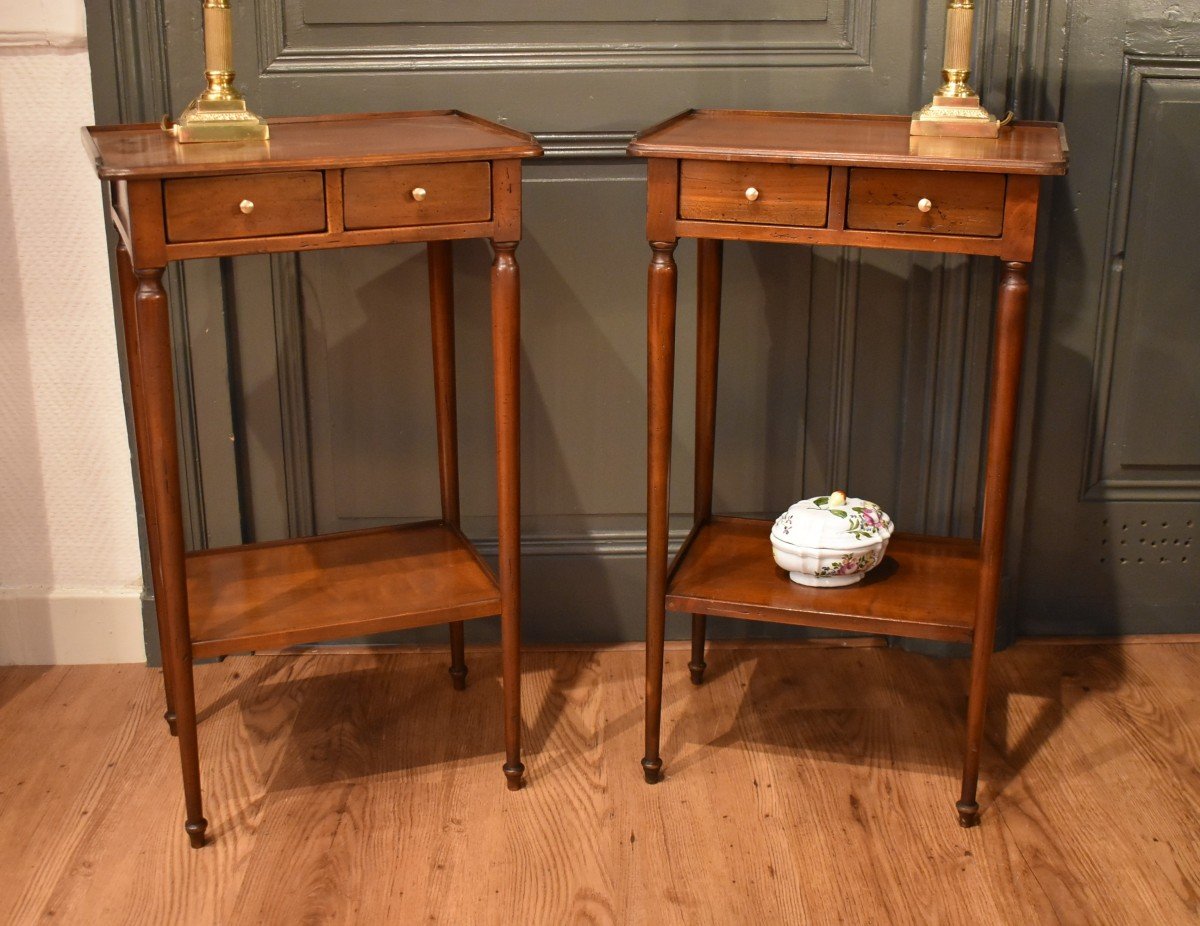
(959, 116)
(219, 120)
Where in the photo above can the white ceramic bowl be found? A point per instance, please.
(831, 540)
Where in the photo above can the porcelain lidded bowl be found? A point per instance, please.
(830, 540)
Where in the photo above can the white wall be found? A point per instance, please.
(70, 572)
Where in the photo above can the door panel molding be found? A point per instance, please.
(317, 36)
(1113, 473)
(471, 11)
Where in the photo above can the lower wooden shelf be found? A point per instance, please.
(926, 587)
(335, 586)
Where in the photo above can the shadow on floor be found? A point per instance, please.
(875, 707)
(345, 717)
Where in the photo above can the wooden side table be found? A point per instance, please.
(321, 182)
(843, 180)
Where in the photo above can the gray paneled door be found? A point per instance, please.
(1112, 544)
(305, 382)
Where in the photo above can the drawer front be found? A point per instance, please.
(768, 194)
(934, 202)
(244, 206)
(418, 194)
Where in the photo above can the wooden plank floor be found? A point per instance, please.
(804, 784)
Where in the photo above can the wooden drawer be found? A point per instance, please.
(418, 194)
(769, 194)
(244, 205)
(936, 202)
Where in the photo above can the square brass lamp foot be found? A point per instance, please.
(220, 120)
(964, 117)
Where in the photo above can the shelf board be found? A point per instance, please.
(335, 586)
(926, 586)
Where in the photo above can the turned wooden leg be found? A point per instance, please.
(441, 310)
(709, 252)
(1008, 346)
(153, 327)
(128, 284)
(661, 373)
(506, 354)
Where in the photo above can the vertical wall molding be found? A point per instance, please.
(948, 370)
(288, 312)
(139, 60)
(841, 393)
(191, 472)
(270, 30)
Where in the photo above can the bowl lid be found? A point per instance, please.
(833, 522)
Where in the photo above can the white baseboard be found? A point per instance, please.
(70, 627)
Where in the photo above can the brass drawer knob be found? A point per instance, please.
(419, 194)
(751, 194)
(246, 206)
(925, 204)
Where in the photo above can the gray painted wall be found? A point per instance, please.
(305, 383)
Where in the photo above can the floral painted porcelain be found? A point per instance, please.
(831, 540)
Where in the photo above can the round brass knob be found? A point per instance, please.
(751, 194)
(925, 204)
(246, 206)
(419, 194)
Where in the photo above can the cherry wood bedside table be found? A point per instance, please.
(320, 182)
(842, 180)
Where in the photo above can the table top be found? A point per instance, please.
(132, 152)
(858, 140)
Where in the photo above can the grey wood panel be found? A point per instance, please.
(583, 380)
(1106, 551)
(371, 386)
(425, 65)
(1144, 443)
(260, 304)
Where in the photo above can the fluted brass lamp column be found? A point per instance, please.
(220, 112)
(956, 109)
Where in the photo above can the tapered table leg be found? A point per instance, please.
(128, 283)
(506, 353)
(161, 452)
(709, 252)
(441, 310)
(1008, 347)
(660, 375)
